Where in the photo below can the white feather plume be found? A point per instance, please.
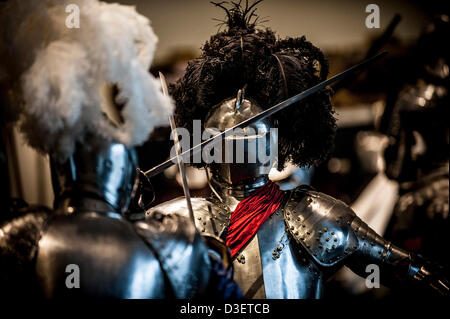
(61, 71)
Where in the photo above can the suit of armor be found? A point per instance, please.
(307, 239)
(417, 157)
(86, 106)
(161, 257)
(292, 241)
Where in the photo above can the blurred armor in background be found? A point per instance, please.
(418, 158)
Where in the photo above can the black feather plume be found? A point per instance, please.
(273, 71)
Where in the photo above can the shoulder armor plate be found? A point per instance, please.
(321, 224)
(180, 250)
(210, 218)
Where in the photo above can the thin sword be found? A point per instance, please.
(181, 166)
(262, 115)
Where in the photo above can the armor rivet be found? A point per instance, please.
(337, 219)
(321, 261)
(325, 229)
(204, 223)
(355, 246)
(348, 223)
(279, 248)
(372, 244)
(303, 225)
(320, 232)
(318, 238)
(332, 233)
(288, 219)
(333, 246)
(308, 245)
(199, 218)
(327, 239)
(203, 230)
(320, 246)
(315, 254)
(363, 237)
(296, 233)
(308, 233)
(380, 252)
(345, 252)
(335, 239)
(274, 253)
(327, 250)
(303, 238)
(292, 227)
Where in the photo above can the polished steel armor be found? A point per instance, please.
(107, 173)
(160, 257)
(309, 238)
(306, 240)
(248, 153)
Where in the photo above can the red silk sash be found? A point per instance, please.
(250, 214)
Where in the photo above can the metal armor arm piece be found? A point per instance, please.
(192, 268)
(180, 251)
(331, 233)
(397, 266)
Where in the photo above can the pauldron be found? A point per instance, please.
(180, 251)
(321, 225)
(331, 233)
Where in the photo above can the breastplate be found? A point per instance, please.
(271, 265)
(110, 259)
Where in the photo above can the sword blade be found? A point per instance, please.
(262, 115)
(181, 166)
